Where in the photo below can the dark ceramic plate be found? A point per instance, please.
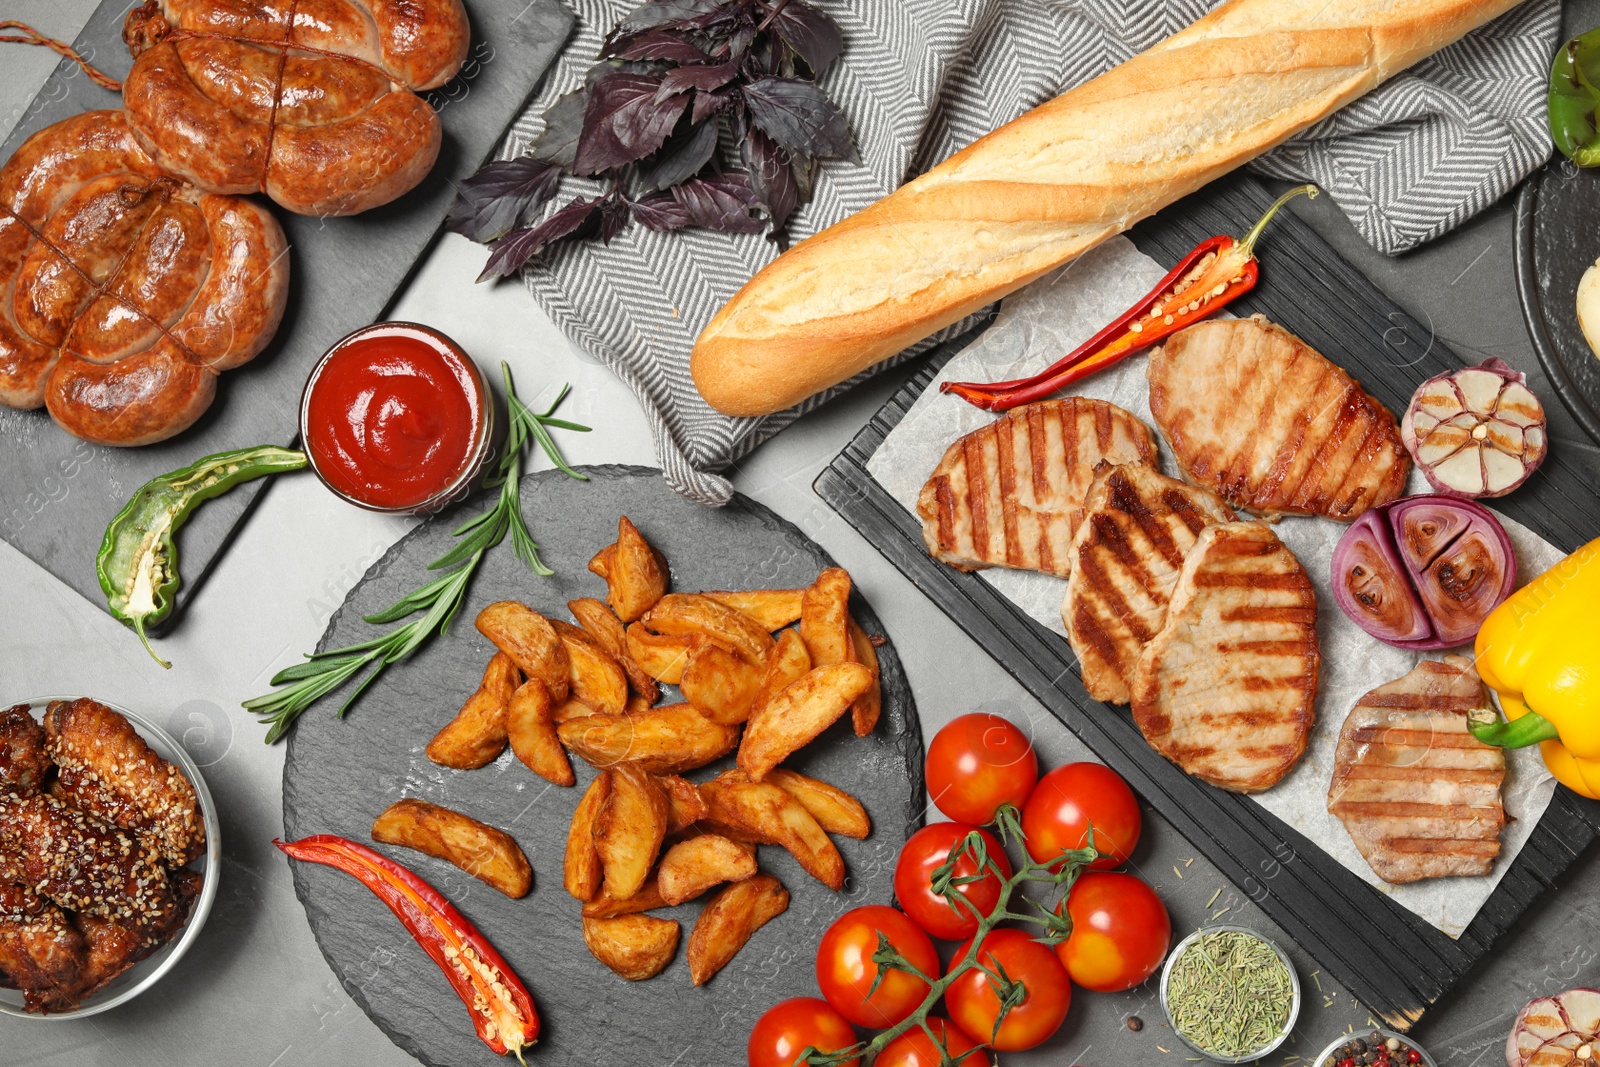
(1556, 241)
(340, 774)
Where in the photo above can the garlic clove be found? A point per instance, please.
(1588, 300)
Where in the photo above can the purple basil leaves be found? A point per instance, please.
(672, 78)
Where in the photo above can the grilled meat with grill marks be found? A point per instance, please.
(1138, 527)
(40, 951)
(1011, 493)
(1419, 794)
(107, 770)
(1254, 413)
(1225, 689)
(23, 761)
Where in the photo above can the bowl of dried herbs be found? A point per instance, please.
(1230, 994)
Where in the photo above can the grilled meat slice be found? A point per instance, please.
(1011, 493)
(107, 770)
(23, 761)
(1251, 411)
(1226, 689)
(40, 951)
(84, 864)
(1138, 527)
(1419, 794)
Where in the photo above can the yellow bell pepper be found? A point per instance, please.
(1540, 652)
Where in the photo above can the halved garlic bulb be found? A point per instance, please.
(1477, 432)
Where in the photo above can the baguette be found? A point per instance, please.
(1037, 192)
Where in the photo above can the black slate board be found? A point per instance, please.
(340, 774)
(1555, 243)
(1393, 962)
(57, 493)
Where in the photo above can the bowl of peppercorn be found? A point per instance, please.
(1380, 1048)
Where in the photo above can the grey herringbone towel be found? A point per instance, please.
(921, 78)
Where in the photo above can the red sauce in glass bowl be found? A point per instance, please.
(395, 418)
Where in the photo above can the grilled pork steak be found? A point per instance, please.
(1253, 412)
(1011, 493)
(1419, 794)
(1139, 525)
(1225, 689)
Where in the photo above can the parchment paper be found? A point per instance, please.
(1051, 317)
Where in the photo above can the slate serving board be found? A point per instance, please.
(1555, 243)
(339, 774)
(1397, 965)
(57, 493)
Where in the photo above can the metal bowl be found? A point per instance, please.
(1294, 987)
(150, 970)
(1427, 1060)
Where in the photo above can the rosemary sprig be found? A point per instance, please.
(439, 600)
(1059, 874)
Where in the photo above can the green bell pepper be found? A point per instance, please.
(1574, 99)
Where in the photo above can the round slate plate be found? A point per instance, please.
(340, 774)
(1556, 241)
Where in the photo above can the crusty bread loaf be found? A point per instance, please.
(1059, 180)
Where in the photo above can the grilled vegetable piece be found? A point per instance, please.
(492, 856)
(1558, 1031)
(41, 952)
(1255, 414)
(629, 828)
(768, 814)
(727, 923)
(106, 769)
(772, 608)
(636, 947)
(635, 573)
(692, 866)
(1011, 493)
(23, 761)
(794, 717)
(477, 735)
(581, 870)
(669, 739)
(1419, 794)
(1226, 689)
(597, 678)
(835, 810)
(607, 629)
(531, 642)
(531, 727)
(692, 615)
(1139, 525)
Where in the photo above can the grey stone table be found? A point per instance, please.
(255, 991)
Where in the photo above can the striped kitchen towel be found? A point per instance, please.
(921, 78)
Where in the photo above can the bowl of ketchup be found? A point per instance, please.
(396, 418)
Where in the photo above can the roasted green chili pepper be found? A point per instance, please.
(138, 560)
(1574, 99)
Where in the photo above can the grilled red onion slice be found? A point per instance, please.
(1476, 432)
(1423, 572)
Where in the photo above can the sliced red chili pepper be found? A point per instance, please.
(1217, 272)
(501, 1009)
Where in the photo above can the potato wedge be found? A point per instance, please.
(691, 867)
(690, 614)
(573, 708)
(669, 739)
(866, 708)
(635, 946)
(825, 618)
(629, 829)
(603, 626)
(685, 806)
(580, 866)
(661, 656)
(596, 677)
(635, 573)
(532, 730)
(721, 685)
(492, 856)
(798, 714)
(726, 923)
(531, 642)
(788, 663)
(835, 810)
(648, 898)
(477, 735)
(637, 704)
(772, 608)
(774, 816)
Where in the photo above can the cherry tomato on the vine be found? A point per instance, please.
(974, 1003)
(1120, 931)
(914, 1049)
(845, 971)
(1074, 797)
(978, 762)
(926, 852)
(792, 1025)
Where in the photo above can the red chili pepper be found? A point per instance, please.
(1217, 272)
(501, 1009)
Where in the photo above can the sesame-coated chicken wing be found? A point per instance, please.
(40, 951)
(23, 761)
